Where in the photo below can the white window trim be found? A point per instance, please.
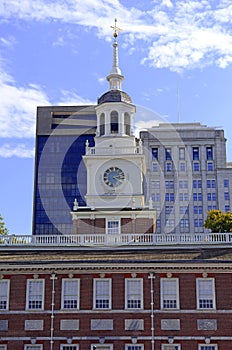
(140, 345)
(197, 293)
(3, 347)
(37, 346)
(119, 226)
(141, 291)
(177, 293)
(63, 345)
(78, 293)
(169, 346)
(27, 295)
(110, 293)
(97, 346)
(7, 293)
(201, 345)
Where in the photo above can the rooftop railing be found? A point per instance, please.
(116, 240)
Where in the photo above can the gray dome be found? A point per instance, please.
(114, 96)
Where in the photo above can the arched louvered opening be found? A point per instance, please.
(102, 124)
(127, 124)
(114, 122)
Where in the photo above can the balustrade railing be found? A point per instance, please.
(154, 239)
(113, 150)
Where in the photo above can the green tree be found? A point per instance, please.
(3, 230)
(218, 221)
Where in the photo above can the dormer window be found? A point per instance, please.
(114, 122)
(102, 124)
(127, 124)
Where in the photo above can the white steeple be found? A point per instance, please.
(115, 77)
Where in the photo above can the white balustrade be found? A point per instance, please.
(133, 239)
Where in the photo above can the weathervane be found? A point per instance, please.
(116, 29)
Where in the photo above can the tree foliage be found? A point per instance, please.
(3, 230)
(218, 221)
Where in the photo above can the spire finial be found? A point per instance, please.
(115, 78)
(116, 29)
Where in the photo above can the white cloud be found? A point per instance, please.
(20, 150)
(18, 107)
(178, 34)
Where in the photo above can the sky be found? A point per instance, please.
(176, 57)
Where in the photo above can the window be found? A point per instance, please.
(31, 347)
(102, 293)
(197, 184)
(181, 154)
(214, 196)
(182, 167)
(226, 183)
(155, 167)
(184, 223)
(207, 347)
(70, 293)
(2, 347)
(169, 288)
(184, 210)
(155, 154)
(209, 153)
(211, 183)
(169, 209)
(226, 196)
(102, 347)
(183, 183)
(168, 167)
(170, 347)
(4, 294)
(198, 222)
(195, 153)
(134, 347)
(35, 294)
(212, 207)
(134, 293)
(168, 154)
(170, 223)
(210, 166)
(196, 166)
(205, 293)
(155, 184)
(169, 184)
(155, 197)
(183, 197)
(211, 196)
(169, 197)
(227, 208)
(113, 227)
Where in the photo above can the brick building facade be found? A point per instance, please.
(128, 299)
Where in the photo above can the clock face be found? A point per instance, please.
(113, 177)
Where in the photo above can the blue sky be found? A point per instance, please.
(59, 52)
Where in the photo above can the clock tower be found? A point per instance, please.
(116, 164)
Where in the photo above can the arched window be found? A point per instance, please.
(114, 122)
(127, 124)
(102, 124)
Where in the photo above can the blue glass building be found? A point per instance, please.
(60, 175)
